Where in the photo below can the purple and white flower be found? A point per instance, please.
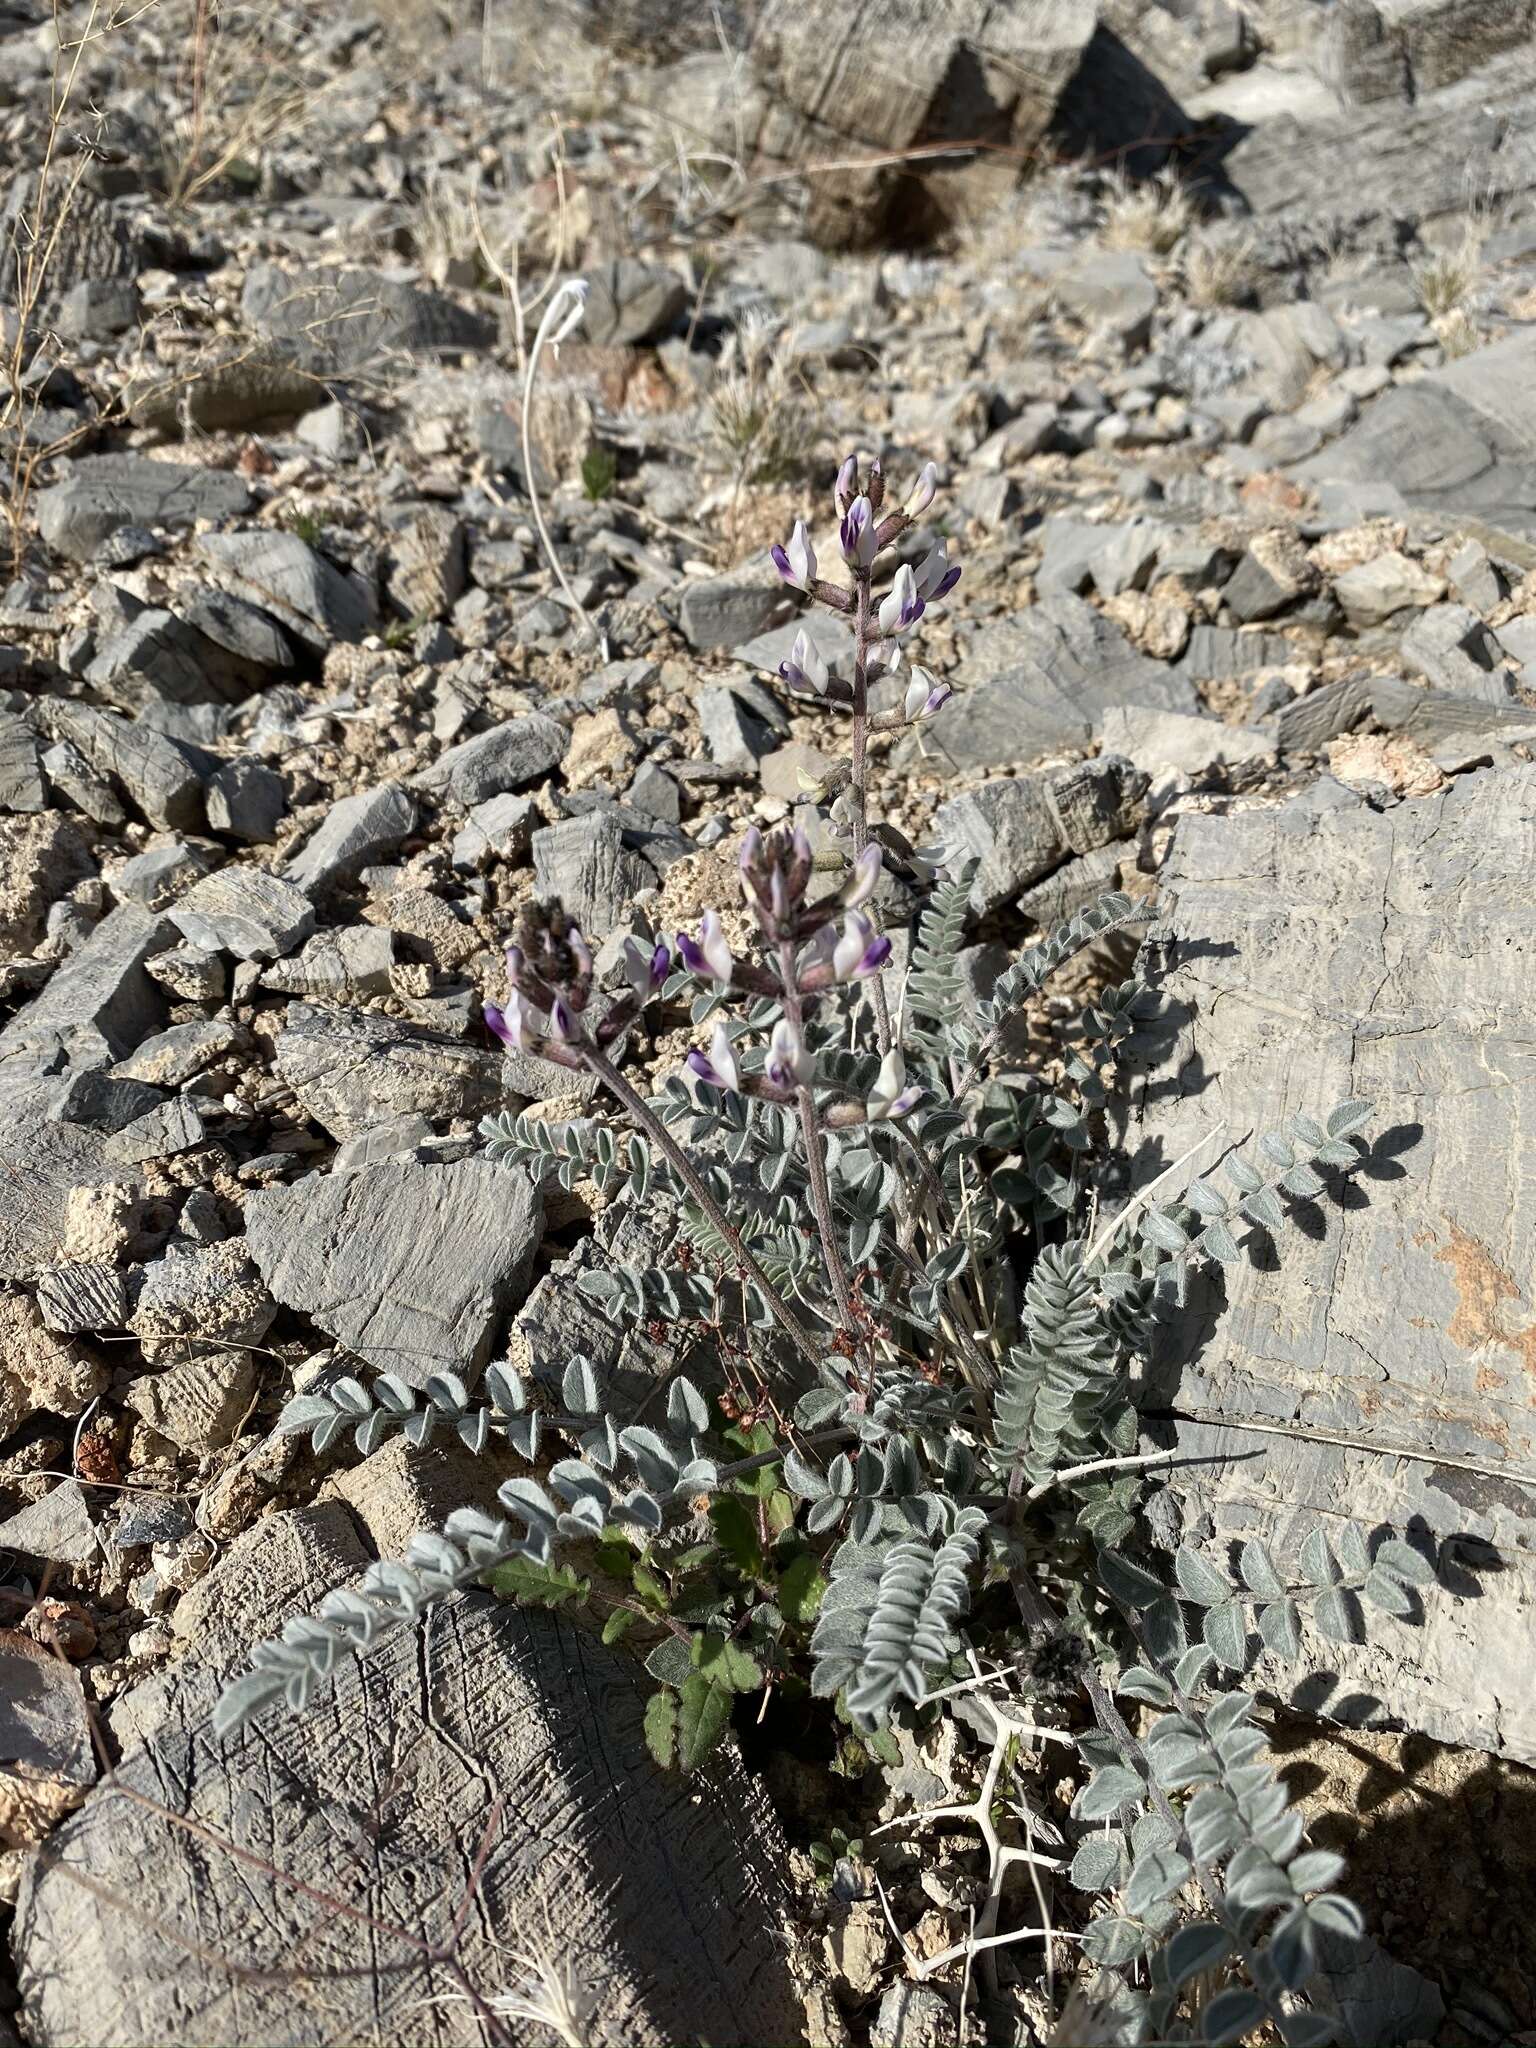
(846, 489)
(511, 1023)
(890, 1095)
(805, 667)
(903, 607)
(789, 1064)
(935, 576)
(797, 562)
(646, 971)
(708, 956)
(860, 951)
(924, 695)
(718, 1066)
(856, 535)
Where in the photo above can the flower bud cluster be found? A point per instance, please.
(551, 980)
(863, 536)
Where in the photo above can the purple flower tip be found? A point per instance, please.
(781, 562)
(948, 582)
(496, 1022)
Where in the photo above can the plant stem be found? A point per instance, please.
(858, 793)
(815, 1151)
(648, 1121)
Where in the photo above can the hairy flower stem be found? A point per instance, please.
(643, 1115)
(815, 1153)
(859, 785)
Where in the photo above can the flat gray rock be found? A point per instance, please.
(629, 302)
(585, 862)
(153, 773)
(509, 755)
(44, 1161)
(22, 787)
(353, 833)
(1319, 951)
(282, 574)
(103, 492)
(1461, 439)
(352, 1070)
(334, 321)
(681, 1939)
(160, 658)
(1010, 829)
(410, 1267)
(1040, 683)
(100, 1003)
(725, 611)
(244, 911)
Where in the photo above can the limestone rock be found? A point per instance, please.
(352, 1070)
(103, 492)
(1319, 951)
(354, 832)
(686, 1946)
(411, 1267)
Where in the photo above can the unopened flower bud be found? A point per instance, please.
(860, 885)
(923, 492)
(846, 489)
(856, 535)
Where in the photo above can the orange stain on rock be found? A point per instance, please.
(1482, 1289)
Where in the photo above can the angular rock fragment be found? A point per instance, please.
(410, 1267)
(338, 321)
(245, 800)
(155, 775)
(1159, 740)
(723, 611)
(348, 960)
(244, 911)
(1010, 829)
(1450, 644)
(171, 1127)
(351, 1070)
(281, 574)
(210, 1292)
(100, 1002)
(22, 787)
(103, 492)
(1040, 683)
(585, 862)
(354, 832)
(519, 751)
(58, 1528)
(91, 1295)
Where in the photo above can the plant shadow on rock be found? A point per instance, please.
(1441, 1842)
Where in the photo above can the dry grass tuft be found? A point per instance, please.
(1153, 214)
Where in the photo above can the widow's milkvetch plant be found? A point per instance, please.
(913, 1451)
